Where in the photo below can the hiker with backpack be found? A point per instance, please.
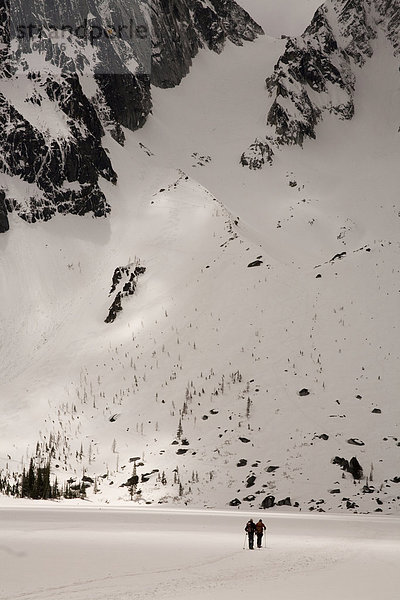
(259, 529)
(250, 529)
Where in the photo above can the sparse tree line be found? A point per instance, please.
(35, 483)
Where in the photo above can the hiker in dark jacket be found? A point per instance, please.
(259, 527)
(250, 529)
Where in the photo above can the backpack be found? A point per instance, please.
(260, 527)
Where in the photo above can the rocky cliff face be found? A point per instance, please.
(72, 70)
(317, 72)
(388, 18)
(61, 173)
(187, 25)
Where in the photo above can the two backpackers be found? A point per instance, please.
(257, 529)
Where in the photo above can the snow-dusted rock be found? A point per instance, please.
(317, 72)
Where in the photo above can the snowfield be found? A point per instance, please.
(140, 554)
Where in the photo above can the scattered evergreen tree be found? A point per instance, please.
(133, 481)
(36, 483)
(180, 430)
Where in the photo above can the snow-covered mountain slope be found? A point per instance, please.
(317, 73)
(71, 71)
(259, 351)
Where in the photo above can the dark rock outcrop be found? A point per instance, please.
(235, 502)
(284, 502)
(368, 489)
(126, 279)
(355, 442)
(249, 498)
(338, 256)
(255, 263)
(342, 462)
(250, 481)
(352, 466)
(355, 468)
(127, 97)
(114, 309)
(4, 224)
(87, 479)
(268, 502)
(132, 481)
(304, 392)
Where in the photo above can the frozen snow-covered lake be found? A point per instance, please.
(120, 554)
